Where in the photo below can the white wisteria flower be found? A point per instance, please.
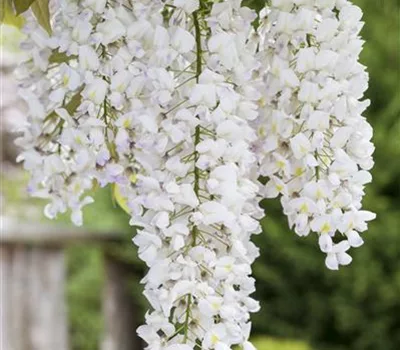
(315, 146)
(195, 201)
(193, 111)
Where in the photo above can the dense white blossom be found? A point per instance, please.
(158, 101)
(72, 84)
(180, 107)
(195, 199)
(314, 146)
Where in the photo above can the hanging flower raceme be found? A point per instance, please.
(163, 92)
(79, 83)
(195, 197)
(314, 144)
(181, 105)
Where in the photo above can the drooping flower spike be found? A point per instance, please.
(195, 199)
(79, 84)
(314, 143)
(181, 106)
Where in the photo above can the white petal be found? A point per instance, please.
(325, 243)
(354, 239)
(332, 262)
(344, 259)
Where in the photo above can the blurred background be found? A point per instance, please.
(304, 306)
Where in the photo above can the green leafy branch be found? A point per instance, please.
(11, 10)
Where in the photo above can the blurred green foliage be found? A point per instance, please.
(85, 279)
(267, 343)
(357, 308)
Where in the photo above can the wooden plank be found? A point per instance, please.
(120, 312)
(5, 296)
(48, 316)
(19, 289)
(13, 232)
(35, 315)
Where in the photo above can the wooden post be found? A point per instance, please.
(32, 300)
(49, 329)
(5, 282)
(120, 313)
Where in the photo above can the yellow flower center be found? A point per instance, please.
(120, 88)
(280, 164)
(326, 228)
(92, 95)
(299, 171)
(304, 208)
(215, 306)
(133, 178)
(320, 194)
(261, 131)
(228, 267)
(126, 124)
(214, 339)
(261, 102)
(65, 80)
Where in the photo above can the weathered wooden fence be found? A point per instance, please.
(33, 310)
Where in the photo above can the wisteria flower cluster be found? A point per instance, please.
(194, 111)
(315, 147)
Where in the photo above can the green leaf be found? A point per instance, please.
(41, 11)
(71, 106)
(74, 103)
(22, 5)
(4, 9)
(7, 15)
(60, 57)
(119, 198)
